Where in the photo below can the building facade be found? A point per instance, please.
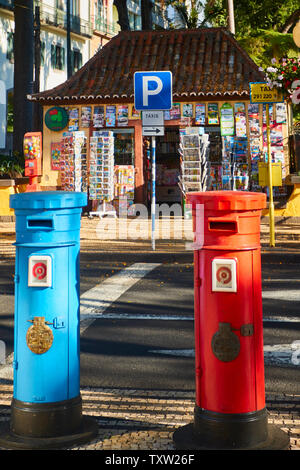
(92, 23)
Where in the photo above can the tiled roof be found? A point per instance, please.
(206, 62)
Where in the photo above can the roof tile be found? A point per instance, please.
(203, 62)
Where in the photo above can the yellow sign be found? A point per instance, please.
(263, 174)
(262, 93)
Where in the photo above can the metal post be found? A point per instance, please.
(231, 22)
(153, 202)
(69, 62)
(271, 202)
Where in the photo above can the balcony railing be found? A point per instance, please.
(103, 26)
(57, 17)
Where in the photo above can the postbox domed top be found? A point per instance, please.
(48, 200)
(228, 200)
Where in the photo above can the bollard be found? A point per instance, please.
(230, 411)
(46, 409)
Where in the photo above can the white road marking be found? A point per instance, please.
(95, 301)
(278, 354)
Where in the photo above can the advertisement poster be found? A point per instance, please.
(86, 114)
(173, 113)
(280, 111)
(98, 116)
(227, 120)
(122, 116)
(240, 120)
(213, 113)
(110, 117)
(56, 149)
(73, 119)
(134, 114)
(187, 110)
(200, 114)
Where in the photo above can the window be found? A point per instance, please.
(10, 47)
(76, 60)
(57, 57)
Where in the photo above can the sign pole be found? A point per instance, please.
(153, 202)
(271, 202)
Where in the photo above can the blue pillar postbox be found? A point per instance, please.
(46, 409)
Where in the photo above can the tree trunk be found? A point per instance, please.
(23, 71)
(146, 8)
(291, 20)
(123, 21)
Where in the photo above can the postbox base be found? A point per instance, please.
(247, 431)
(9, 440)
(48, 425)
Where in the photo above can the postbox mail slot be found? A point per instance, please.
(223, 225)
(40, 224)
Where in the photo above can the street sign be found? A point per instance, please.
(153, 90)
(260, 92)
(153, 130)
(152, 118)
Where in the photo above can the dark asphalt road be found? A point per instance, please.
(122, 352)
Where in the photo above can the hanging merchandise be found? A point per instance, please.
(86, 115)
(213, 113)
(98, 116)
(227, 120)
(240, 120)
(101, 181)
(123, 187)
(73, 119)
(200, 114)
(235, 163)
(73, 164)
(56, 148)
(110, 118)
(101, 166)
(193, 150)
(122, 116)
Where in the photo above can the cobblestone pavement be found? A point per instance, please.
(146, 420)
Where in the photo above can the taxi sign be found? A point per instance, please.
(261, 92)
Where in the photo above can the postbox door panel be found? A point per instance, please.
(228, 332)
(44, 322)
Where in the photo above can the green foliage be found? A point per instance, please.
(195, 16)
(263, 45)
(11, 166)
(251, 15)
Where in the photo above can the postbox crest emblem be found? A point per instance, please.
(39, 337)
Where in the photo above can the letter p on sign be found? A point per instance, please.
(152, 90)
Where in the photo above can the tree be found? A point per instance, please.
(23, 71)
(264, 29)
(194, 15)
(251, 15)
(121, 6)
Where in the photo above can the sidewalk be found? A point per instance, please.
(142, 419)
(172, 235)
(146, 420)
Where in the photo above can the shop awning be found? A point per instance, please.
(205, 63)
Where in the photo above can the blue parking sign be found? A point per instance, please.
(152, 90)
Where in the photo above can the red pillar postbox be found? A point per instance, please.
(230, 409)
